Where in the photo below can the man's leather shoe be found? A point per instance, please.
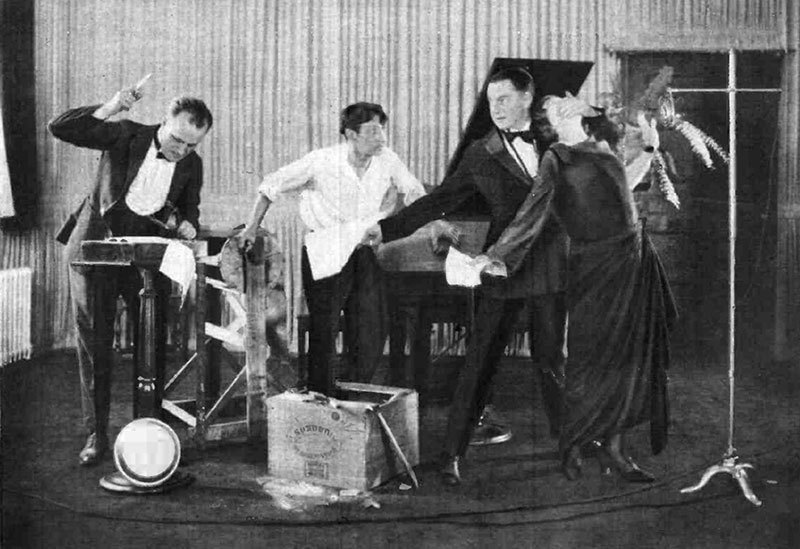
(449, 471)
(94, 450)
(489, 433)
(571, 463)
(491, 429)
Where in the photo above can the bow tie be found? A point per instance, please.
(525, 135)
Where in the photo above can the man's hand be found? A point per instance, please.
(123, 100)
(442, 232)
(247, 238)
(186, 231)
(649, 133)
(372, 236)
(491, 267)
(496, 269)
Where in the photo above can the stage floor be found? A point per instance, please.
(513, 495)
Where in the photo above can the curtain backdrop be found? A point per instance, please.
(276, 73)
(706, 25)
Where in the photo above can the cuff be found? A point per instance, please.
(388, 230)
(268, 190)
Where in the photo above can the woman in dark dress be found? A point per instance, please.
(620, 305)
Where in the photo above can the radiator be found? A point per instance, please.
(15, 314)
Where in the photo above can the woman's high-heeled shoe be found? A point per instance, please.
(624, 466)
(603, 459)
(634, 473)
(571, 464)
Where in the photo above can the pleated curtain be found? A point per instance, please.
(277, 72)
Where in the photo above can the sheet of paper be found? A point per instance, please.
(461, 270)
(330, 248)
(178, 264)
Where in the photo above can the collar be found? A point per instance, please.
(156, 142)
(157, 145)
(525, 127)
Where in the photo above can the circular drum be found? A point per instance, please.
(147, 452)
(231, 264)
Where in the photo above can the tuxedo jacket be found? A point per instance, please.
(124, 144)
(488, 169)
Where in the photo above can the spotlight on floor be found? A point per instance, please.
(146, 453)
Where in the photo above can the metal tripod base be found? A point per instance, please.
(737, 470)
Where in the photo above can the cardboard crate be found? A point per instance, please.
(339, 441)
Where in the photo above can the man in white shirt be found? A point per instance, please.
(341, 188)
(147, 184)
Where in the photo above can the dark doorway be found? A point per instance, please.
(693, 241)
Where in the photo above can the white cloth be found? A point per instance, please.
(330, 191)
(149, 189)
(461, 270)
(330, 248)
(178, 264)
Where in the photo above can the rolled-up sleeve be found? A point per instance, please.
(290, 178)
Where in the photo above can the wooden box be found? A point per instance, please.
(340, 441)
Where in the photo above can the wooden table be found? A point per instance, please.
(146, 256)
(418, 295)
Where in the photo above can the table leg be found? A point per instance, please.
(421, 351)
(398, 377)
(213, 315)
(146, 402)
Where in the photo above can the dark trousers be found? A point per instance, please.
(494, 323)
(94, 292)
(358, 291)
(94, 300)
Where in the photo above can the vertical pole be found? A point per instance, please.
(256, 339)
(731, 243)
(202, 354)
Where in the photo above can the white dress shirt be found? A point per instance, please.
(149, 189)
(330, 191)
(526, 152)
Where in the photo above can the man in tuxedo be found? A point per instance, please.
(148, 184)
(501, 167)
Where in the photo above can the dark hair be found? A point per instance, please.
(354, 115)
(543, 131)
(519, 78)
(603, 128)
(199, 115)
